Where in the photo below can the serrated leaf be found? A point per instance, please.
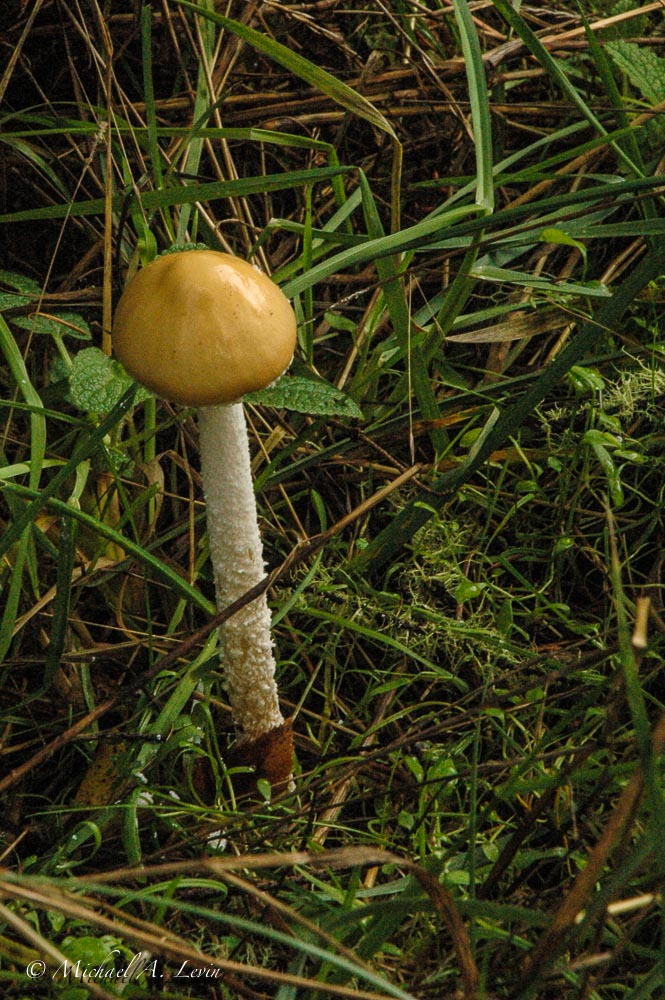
(65, 324)
(97, 382)
(643, 67)
(304, 395)
(24, 290)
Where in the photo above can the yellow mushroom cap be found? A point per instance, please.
(202, 328)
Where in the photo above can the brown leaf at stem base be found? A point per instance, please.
(270, 755)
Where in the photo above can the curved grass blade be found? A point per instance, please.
(408, 239)
(308, 71)
(480, 105)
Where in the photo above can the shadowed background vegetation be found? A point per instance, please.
(460, 485)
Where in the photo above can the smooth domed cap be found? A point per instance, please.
(201, 328)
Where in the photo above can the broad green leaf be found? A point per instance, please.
(643, 67)
(305, 395)
(22, 291)
(97, 382)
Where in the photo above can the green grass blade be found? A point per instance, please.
(149, 94)
(167, 197)
(412, 237)
(31, 396)
(61, 604)
(12, 594)
(637, 703)
(19, 372)
(391, 283)
(480, 105)
(604, 68)
(202, 111)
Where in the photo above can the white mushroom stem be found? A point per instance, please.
(236, 552)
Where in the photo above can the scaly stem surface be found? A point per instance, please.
(237, 558)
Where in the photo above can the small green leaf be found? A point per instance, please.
(406, 820)
(563, 543)
(305, 395)
(264, 788)
(467, 590)
(599, 443)
(604, 439)
(469, 438)
(557, 236)
(97, 382)
(491, 852)
(443, 767)
(586, 379)
(339, 322)
(415, 767)
(90, 950)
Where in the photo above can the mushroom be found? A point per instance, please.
(203, 328)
